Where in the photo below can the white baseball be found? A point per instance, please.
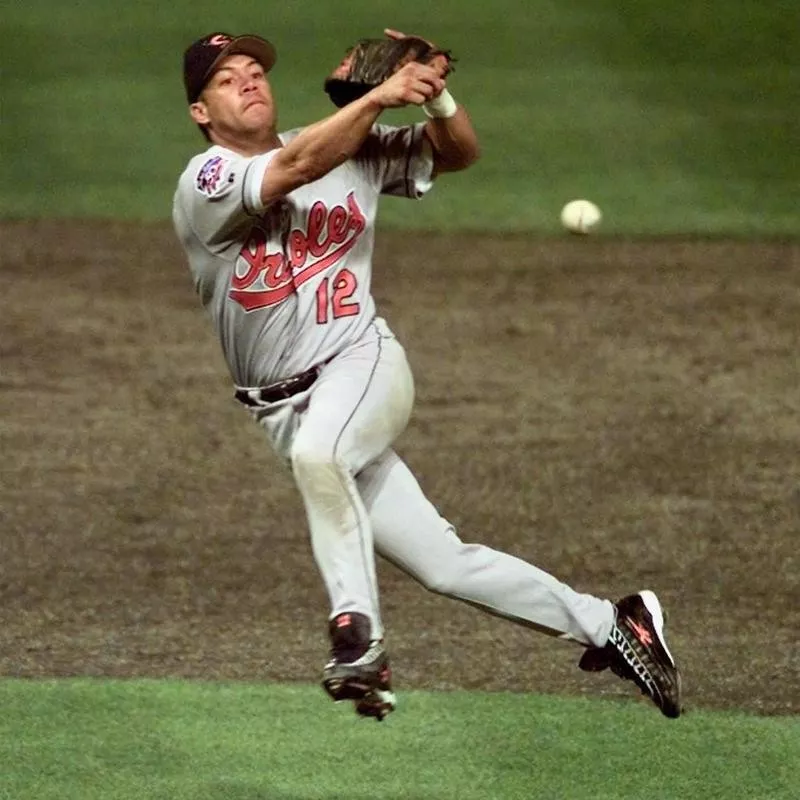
(580, 216)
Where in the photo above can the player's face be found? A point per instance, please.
(236, 103)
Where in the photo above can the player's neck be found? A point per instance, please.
(248, 145)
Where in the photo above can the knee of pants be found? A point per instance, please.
(314, 462)
(443, 581)
(446, 575)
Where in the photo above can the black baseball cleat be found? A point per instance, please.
(637, 651)
(378, 703)
(358, 669)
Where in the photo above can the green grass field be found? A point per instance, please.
(678, 117)
(90, 740)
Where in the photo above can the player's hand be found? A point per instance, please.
(393, 34)
(412, 84)
(441, 64)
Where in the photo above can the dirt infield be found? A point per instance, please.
(625, 414)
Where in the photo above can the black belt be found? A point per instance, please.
(280, 390)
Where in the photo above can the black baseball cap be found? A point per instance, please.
(203, 57)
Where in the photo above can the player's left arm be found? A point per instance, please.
(453, 140)
(449, 129)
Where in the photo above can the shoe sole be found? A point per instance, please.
(670, 705)
(369, 700)
(346, 682)
(378, 704)
(652, 604)
(347, 687)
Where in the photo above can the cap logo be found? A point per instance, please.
(219, 40)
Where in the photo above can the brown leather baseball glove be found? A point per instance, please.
(371, 61)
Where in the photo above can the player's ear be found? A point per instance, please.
(199, 113)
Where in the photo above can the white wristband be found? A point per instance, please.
(441, 107)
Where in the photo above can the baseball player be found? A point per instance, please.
(278, 230)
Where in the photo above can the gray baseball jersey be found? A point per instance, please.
(289, 285)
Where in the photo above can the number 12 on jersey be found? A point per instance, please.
(334, 297)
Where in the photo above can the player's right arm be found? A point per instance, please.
(326, 144)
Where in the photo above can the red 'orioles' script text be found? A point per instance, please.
(270, 278)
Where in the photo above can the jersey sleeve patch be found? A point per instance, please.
(215, 178)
